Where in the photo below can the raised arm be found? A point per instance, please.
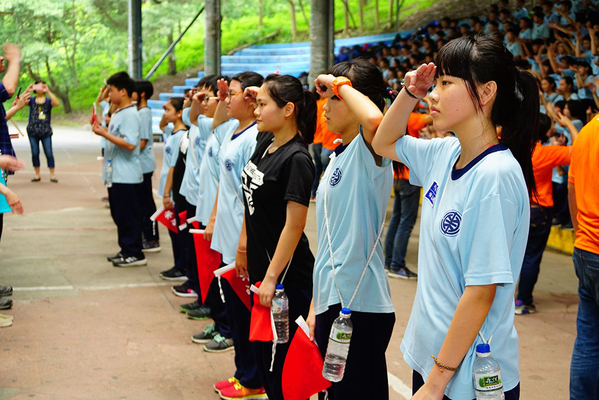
(220, 115)
(12, 54)
(395, 121)
(18, 105)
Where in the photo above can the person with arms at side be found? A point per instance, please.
(583, 193)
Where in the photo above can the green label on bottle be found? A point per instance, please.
(488, 382)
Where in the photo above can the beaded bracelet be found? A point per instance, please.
(443, 366)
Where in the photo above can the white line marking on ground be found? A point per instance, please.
(106, 287)
(396, 384)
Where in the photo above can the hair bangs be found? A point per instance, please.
(454, 59)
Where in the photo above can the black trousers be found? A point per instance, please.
(190, 248)
(218, 311)
(366, 367)
(1, 225)
(239, 318)
(125, 208)
(299, 304)
(179, 240)
(148, 207)
(418, 382)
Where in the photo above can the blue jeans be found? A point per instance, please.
(584, 369)
(405, 211)
(540, 228)
(35, 150)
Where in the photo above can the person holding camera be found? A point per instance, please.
(39, 128)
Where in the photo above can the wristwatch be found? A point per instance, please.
(340, 81)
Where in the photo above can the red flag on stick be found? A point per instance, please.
(208, 261)
(260, 324)
(166, 218)
(302, 371)
(240, 284)
(183, 219)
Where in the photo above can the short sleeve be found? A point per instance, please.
(419, 155)
(145, 127)
(185, 116)
(484, 247)
(573, 168)
(204, 127)
(130, 129)
(4, 95)
(299, 176)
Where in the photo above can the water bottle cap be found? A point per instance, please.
(483, 348)
(279, 286)
(345, 311)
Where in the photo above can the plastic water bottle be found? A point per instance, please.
(486, 375)
(339, 340)
(280, 314)
(108, 174)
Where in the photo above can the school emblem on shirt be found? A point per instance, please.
(168, 150)
(450, 224)
(228, 165)
(210, 152)
(432, 193)
(336, 177)
(197, 141)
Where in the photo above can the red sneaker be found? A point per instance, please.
(218, 386)
(237, 391)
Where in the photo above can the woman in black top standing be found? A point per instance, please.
(38, 127)
(277, 183)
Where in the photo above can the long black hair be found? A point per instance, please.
(480, 59)
(285, 89)
(365, 78)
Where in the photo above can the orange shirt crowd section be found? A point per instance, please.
(322, 134)
(544, 159)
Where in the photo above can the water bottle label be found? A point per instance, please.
(488, 383)
(340, 336)
(276, 306)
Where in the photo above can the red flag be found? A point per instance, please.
(166, 218)
(183, 219)
(240, 284)
(208, 262)
(302, 371)
(260, 324)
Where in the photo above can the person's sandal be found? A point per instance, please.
(36, 179)
(54, 180)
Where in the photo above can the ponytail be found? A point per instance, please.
(307, 116)
(521, 133)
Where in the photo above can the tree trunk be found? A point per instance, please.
(346, 15)
(172, 63)
(301, 4)
(376, 13)
(362, 3)
(212, 35)
(391, 6)
(292, 18)
(260, 13)
(321, 37)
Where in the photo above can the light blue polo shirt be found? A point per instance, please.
(514, 48)
(475, 222)
(235, 152)
(169, 157)
(125, 164)
(585, 92)
(357, 195)
(198, 135)
(525, 34)
(521, 13)
(209, 171)
(4, 207)
(540, 31)
(146, 156)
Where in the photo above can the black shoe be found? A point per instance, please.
(151, 246)
(402, 273)
(206, 335)
(5, 304)
(194, 305)
(199, 314)
(130, 261)
(5, 291)
(117, 256)
(555, 222)
(184, 291)
(173, 274)
(568, 226)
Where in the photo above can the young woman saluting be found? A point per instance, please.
(475, 211)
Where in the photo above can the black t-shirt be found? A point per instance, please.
(269, 181)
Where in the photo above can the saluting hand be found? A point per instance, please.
(419, 82)
(324, 85)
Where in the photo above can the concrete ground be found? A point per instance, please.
(86, 330)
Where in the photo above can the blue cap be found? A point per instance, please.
(483, 348)
(345, 311)
(279, 286)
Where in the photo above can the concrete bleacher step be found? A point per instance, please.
(292, 66)
(235, 59)
(167, 96)
(273, 52)
(181, 89)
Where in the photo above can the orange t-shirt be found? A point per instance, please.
(544, 158)
(584, 172)
(415, 123)
(322, 134)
